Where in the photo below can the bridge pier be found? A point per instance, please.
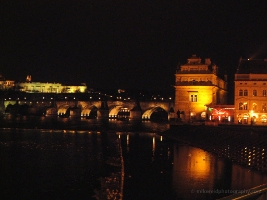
(135, 115)
(75, 112)
(102, 114)
(136, 112)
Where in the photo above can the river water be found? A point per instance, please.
(69, 160)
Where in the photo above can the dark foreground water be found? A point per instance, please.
(59, 163)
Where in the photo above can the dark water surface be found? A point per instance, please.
(66, 160)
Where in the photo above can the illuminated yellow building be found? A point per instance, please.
(6, 84)
(197, 86)
(39, 87)
(251, 91)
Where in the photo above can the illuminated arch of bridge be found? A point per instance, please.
(89, 111)
(148, 113)
(63, 110)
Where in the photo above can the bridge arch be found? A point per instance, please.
(156, 112)
(89, 111)
(119, 111)
(63, 110)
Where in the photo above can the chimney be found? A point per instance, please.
(207, 61)
(215, 69)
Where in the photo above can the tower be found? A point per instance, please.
(28, 78)
(197, 86)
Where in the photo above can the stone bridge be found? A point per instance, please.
(98, 109)
(112, 109)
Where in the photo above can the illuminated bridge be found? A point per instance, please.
(141, 110)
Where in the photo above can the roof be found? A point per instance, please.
(255, 66)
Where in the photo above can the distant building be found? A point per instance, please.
(6, 84)
(40, 87)
(198, 87)
(251, 91)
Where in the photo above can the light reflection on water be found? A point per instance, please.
(80, 123)
(68, 162)
(157, 168)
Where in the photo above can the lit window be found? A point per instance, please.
(245, 106)
(240, 106)
(193, 98)
(240, 92)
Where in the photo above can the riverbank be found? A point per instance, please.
(242, 144)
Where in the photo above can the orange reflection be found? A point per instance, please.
(198, 163)
(193, 166)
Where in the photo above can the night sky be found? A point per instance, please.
(126, 43)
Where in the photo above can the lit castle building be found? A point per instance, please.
(6, 84)
(39, 87)
(198, 87)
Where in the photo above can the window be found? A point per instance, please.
(240, 106)
(254, 92)
(245, 92)
(245, 106)
(193, 98)
(240, 92)
(264, 93)
(263, 107)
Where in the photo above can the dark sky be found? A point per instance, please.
(125, 43)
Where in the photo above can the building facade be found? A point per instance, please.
(39, 87)
(251, 92)
(198, 87)
(6, 84)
